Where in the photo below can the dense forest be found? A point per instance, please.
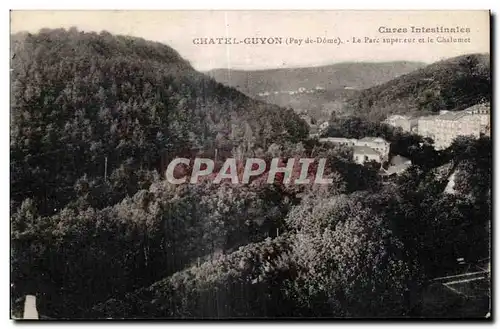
(97, 232)
(450, 84)
(365, 253)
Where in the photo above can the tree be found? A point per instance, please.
(345, 251)
(473, 161)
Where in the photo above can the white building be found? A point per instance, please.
(365, 149)
(426, 126)
(444, 128)
(378, 144)
(482, 112)
(364, 154)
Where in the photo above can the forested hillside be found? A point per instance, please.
(90, 105)
(451, 84)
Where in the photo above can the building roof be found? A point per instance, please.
(452, 116)
(478, 107)
(397, 168)
(373, 140)
(448, 116)
(398, 117)
(428, 117)
(337, 140)
(398, 159)
(365, 150)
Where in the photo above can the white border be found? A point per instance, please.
(217, 4)
(255, 4)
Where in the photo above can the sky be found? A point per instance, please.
(182, 29)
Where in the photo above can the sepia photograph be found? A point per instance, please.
(250, 165)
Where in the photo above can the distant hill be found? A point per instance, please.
(318, 90)
(451, 84)
(329, 77)
(319, 104)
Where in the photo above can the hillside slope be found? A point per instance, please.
(451, 84)
(88, 104)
